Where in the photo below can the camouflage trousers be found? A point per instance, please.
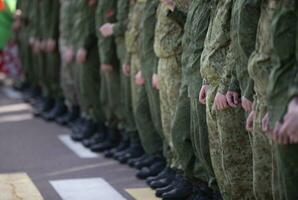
(264, 162)
(230, 150)
(90, 87)
(39, 69)
(126, 96)
(200, 141)
(109, 96)
(288, 173)
(182, 138)
(68, 83)
(169, 73)
(27, 62)
(146, 110)
(51, 75)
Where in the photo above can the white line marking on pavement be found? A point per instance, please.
(77, 148)
(86, 189)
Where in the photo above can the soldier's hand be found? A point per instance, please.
(278, 136)
(265, 123)
(203, 94)
(17, 24)
(37, 46)
(139, 79)
(155, 83)
(81, 56)
(290, 122)
(126, 69)
(106, 29)
(220, 101)
(170, 4)
(246, 104)
(51, 45)
(43, 45)
(233, 99)
(31, 41)
(106, 68)
(68, 55)
(250, 121)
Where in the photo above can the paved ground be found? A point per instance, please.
(31, 145)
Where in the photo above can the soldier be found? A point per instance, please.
(259, 68)
(106, 12)
(26, 52)
(169, 49)
(67, 63)
(51, 71)
(229, 142)
(147, 110)
(44, 103)
(282, 96)
(87, 72)
(189, 128)
(130, 147)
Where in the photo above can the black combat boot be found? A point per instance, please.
(152, 170)
(98, 137)
(113, 139)
(43, 106)
(71, 116)
(59, 110)
(87, 130)
(181, 190)
(123, 145)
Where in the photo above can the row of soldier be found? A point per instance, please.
(199, 95)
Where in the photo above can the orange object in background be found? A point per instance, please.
(2, 5)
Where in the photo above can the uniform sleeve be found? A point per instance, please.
(53, 26)
(227, 72)
(122, 18)
(284, 66)
(249, 14)
(234, 84)
(107, 45)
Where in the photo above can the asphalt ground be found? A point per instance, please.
(31, 145)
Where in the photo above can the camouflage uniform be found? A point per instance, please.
(50, 30)
(167, 47)
(229, 142)
(147, 112)
(35, 32)
(23, 43)
(282, 87)
(119, 30)
(189, 131)
(259, 67)
(110, 81)
(67, 69)
(88, 78)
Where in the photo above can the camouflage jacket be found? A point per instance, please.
(83, 24)
(65, 25)
(244, 23)
(132, 35)
(106, 12)
(122, 18)
(149, 60)
(217, 42)
(49, 18)
(195, 30)
(260, 62)
(168, 35)
(283, 81)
